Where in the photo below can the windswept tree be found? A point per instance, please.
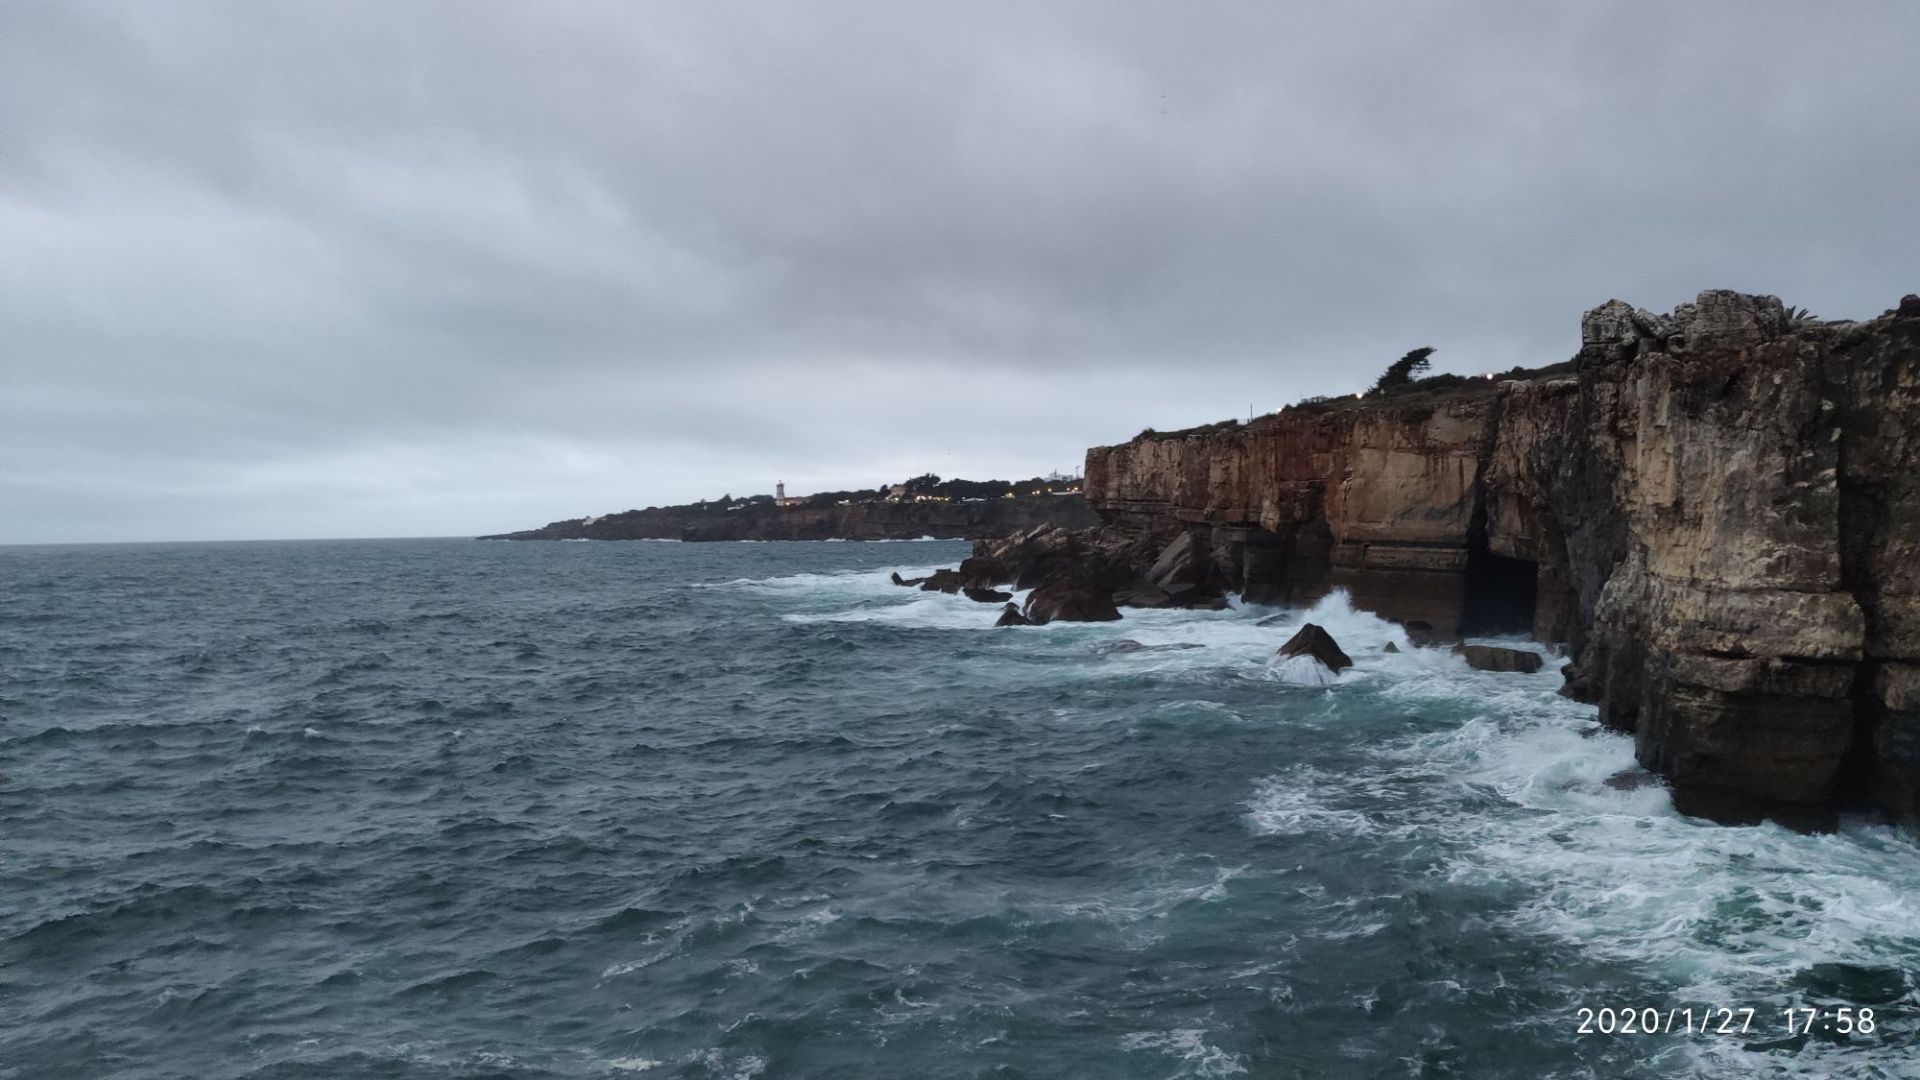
(1401, 371)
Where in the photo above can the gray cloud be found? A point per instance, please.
(373, 269)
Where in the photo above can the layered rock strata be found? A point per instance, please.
(1716, 510)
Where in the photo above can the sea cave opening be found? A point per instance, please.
(1501, 593)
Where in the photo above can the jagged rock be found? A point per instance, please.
(1143, 596)
(986, 596)
(1577, 686)
(1068, 600)
(1610, 323)
(1128, 645)
(946, 581)
(1178, 567)
(985, 571)
(1313, 640)
(1033, 556)
(1010, 616)
(1723, 319)
(907, 582)
(1909, 307)
(1392, 648)
(1494, 658)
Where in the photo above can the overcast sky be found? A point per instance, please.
(390, 269)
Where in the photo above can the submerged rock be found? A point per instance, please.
(906, 582)
(1314, 641)
(1010, 616)
(1495, 658)
(986, 596)
(1128, 645)
(1391, 647)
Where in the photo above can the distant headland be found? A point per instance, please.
(923, 506)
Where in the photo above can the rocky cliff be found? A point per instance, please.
(869, 520)
(1716, 510)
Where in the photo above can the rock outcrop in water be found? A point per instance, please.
(1716, 511)
(1314, 641)
(1495, 658)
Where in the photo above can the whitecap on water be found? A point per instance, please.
(1303, 671)
(1190, 1046)
(1297, 802)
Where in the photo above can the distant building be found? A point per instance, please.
(780, 496)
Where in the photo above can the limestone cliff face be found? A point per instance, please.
(1717, 510)
(1378, 499)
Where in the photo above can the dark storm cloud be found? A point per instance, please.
(375, 269)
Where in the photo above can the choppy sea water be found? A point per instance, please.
(456, 809)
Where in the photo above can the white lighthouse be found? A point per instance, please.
(780, 492)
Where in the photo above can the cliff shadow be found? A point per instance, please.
(1501, 592)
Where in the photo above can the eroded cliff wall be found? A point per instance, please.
(1717, 510)
(1380, 499)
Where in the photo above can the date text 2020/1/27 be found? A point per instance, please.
(1716, 1020)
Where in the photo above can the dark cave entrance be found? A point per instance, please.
(1501, 592)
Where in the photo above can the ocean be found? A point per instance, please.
(441, 808)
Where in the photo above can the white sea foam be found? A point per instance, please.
(1190, 1046)
(633, 1064)
(1296, 803)
(716, 1063)
(1303, 671)
(631, 966)
(1156, 901)
(1726, 915)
